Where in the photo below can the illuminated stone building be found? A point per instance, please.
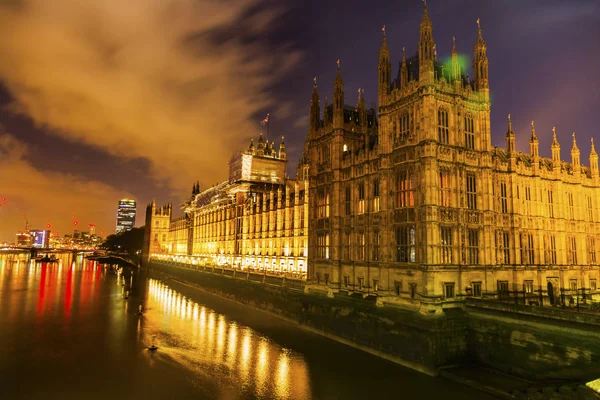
(418, 207)
(156, 234)
(257, 219)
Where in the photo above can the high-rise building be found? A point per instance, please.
(125, 215)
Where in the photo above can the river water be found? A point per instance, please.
(68, 332)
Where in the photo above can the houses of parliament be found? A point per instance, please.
(410, 202)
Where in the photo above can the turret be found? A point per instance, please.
(315, 112)
(403, 71)
(384, 70)
(251, 147)
(534, 144)
(594, 160)
(510, 138)
(326, 119)
(260, 147)
(282, 154)
(480, 65)
(426, 49)
(575, 156)
(338, 100)
(555, 148)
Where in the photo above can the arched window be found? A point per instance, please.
(469, 132)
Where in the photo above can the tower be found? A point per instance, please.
(282, 154)
(126, 215)
(385, 71)
(338, 100)
(455, 75)
(426, 49)
(480, 65)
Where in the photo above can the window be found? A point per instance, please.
(593, 286)
(527, 249)
(445, 188)
(591, 248)
(528, 287)
(375, 285)
(360, 283)
(361, 198)
(323, 245)
(346, 280)
(505, 247)
(527, 200)
(572, 245)
(502, 288)
(551, 250)
(405, 240)
(590, 209)
(443, 132)
(348, 200)
(326, 205)
(473, 246)
(471, 192)
(413, 290)
(469, 133)
(376, 244)
(477, 289)
(573, 285)
(345, 148)
(503, 198)
(360, 248)
(550, 204)
(346, 246)
(404, 189)
(446, 239)
(571, 207)
(376, 195)
(404, 128)
(449, 290)
(322, 204)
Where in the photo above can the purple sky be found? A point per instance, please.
(142, 102)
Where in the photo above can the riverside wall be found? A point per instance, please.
(541, 344)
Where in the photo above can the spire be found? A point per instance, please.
(362, 110)
(426, 48)
(325, 112)
(260, 147)
(338, 99)
(510, 137)
(555, 148)
(593, 160)
(282, 154)
(403, 71)
(534, 142)
(480, 64)
(315, 111)
(575, 156)
(384, 70)
(455, 63)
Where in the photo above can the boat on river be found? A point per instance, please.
(46, 259)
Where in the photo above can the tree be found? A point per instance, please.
(128, 241)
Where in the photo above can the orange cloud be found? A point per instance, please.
(50, 198)
(166, 80)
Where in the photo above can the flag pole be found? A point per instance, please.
(268, 124)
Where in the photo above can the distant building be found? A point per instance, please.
(125, 215)
(40, 238)
(23, 238)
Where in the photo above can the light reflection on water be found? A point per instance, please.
(211, 341)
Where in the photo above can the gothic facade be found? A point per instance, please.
(256, 220)
(416, 205)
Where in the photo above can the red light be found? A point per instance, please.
(75, 223)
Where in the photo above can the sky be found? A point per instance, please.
(106, 99)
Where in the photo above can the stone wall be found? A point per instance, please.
(532, 342)
(420, 342)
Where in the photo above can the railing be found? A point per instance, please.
(282, 279)
(576, 299)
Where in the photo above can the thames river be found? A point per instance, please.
(67, 331)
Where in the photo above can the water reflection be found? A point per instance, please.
(254, 363)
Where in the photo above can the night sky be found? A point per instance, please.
(109, 99)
